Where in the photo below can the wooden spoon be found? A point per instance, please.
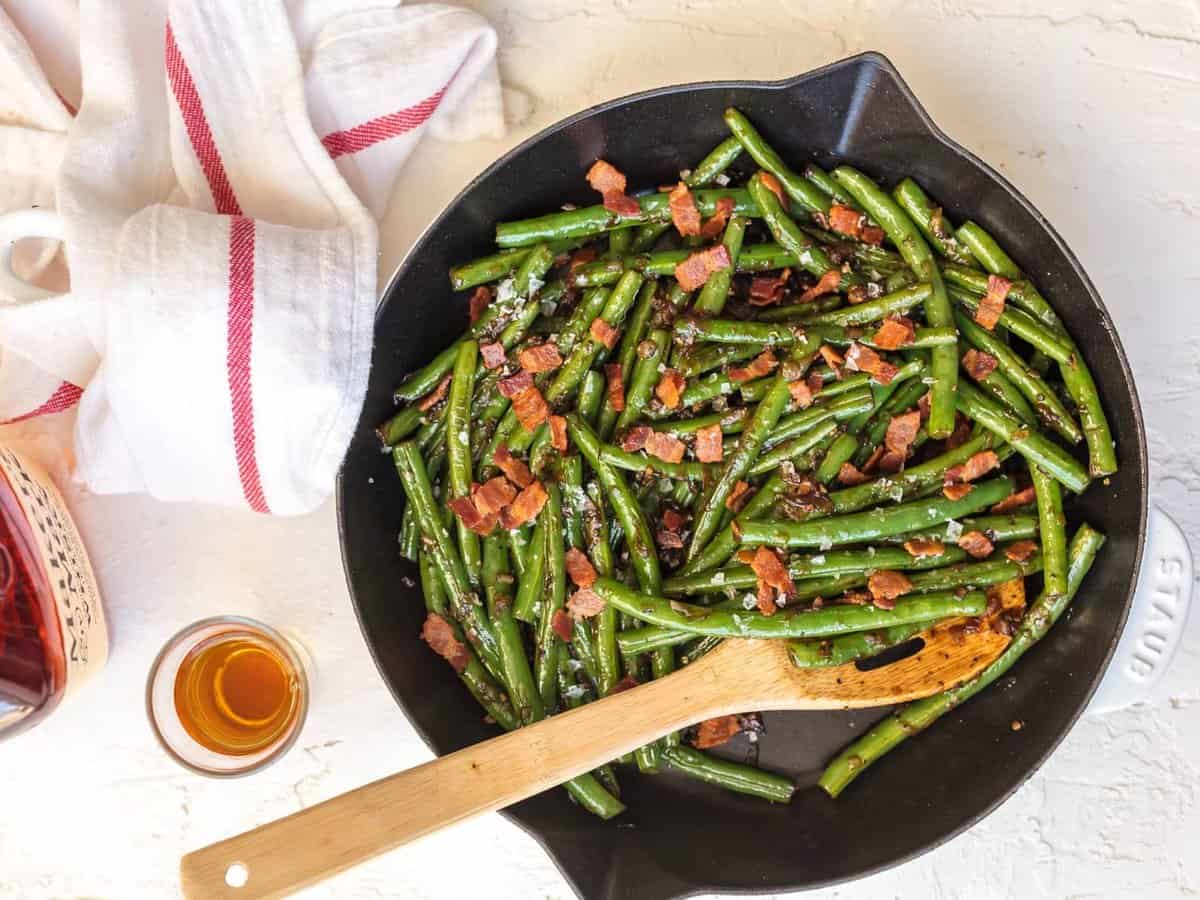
(738, 676)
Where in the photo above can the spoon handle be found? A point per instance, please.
(303, 848)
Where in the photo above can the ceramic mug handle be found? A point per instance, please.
(18, 224)
(1157, 618)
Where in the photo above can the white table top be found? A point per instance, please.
(1093, 112)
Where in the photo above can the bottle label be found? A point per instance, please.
(65, 562)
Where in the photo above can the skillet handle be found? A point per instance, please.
(315, 843)
(1157, 619)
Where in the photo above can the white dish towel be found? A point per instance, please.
(217, 193)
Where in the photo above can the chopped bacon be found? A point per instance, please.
(826, 284)
(493, 495)
(715, 732)
(710, 444)
(886, 585)
(872, 462)
(861, 358)
(766, 290)
(603, 333)
(684, 214)
(871, 234)
(469, 514)
(615, 385)
(694, 271)
(976, 543)
(737, 497)
(558, 433)
(802, 393)
(673, 519)
(902, 431)
(624, 684)
(832, 358)
(540, 358)
(480, 300)
(562, 624)
(849, 475)
(604, 177)
(771, 571)
(581, 258)
(530, 407)
(526, 507)
(991, 306)
(857, 294)
(716, 222)
(1020, 551)
(439, 635)
(845, 220)
(892, 462)
(493, 355)
(961, 433)
(815, 382)
(665, 446)
(919, 548)
(771, 183)
(894, 333)
(518, 473)
(745, 556)
(923, 405)
(979, 365)
(514, 384)
(979, 464)
(766, 599)
(579, 568)
(434, 397)
(670, 388)
(957, 490)
(856, 598)
(622, 204)
(669, 540)
(585, 603)
(763, 364)
(635, 438)
(1015, 501)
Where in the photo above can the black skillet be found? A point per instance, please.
(679, 837)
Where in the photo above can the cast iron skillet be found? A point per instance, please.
(679, 837)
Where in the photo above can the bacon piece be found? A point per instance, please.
(684, 214)
(540, 358)
(1020, 551)
(518, 473)
(872, 462)
(493, 495)
(923, 405)
(861, 358)
(976, 544)
(603, 333)
(670, 388)
(563, 625)
(745, 556)
(1016, 500)
(673, 519)
(892, 462)
(615, 386)
(815, 383)
(469, 514)
(856, 598)
(665, 446)
(716, 222)
(957, 490)
(886, 585)
(961, 433)
(694, 271)
(919, 548)
(622, 204)
(579, 568)
(668, 540)
(902, 431)
(605, 177)
(581, 258)
(514, 384)
(434, 397)
(871, 234)
(525, 507)
(584, 604)
(802, 394)
(763, 364)
(771, 572)
(624, 684)
(493, 355)
(845, 220)
(832, 358)
(715, 732)
(991, 306)
(894, 333)
(530, 407)
(979, 464)
(826, 284)
(635, 438)
(857, 294)
(766, 290)
(737, 497)
(771, 183)
(766, 599)
(849, 475)
(480, 300)
(710, 444)
(439, 635)
(979, 365)
(558, 433)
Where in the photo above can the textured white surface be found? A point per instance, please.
(1093, 110)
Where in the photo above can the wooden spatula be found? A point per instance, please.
(738, 676)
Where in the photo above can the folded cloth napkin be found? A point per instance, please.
(218, 190)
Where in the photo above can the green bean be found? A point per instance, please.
(784, 229)
(591, 395)
(713, 295)
(765, 257)
(704, 359)
(1023, 325)
(984, 248)
(526, 701)
(929, 219)
(518, 540)
(996, 528)
(720, 158)
(410, 534)
(608, 663)
(899, 280)
(645, 377)
(800, 189)
(641, 462)
(1052, 528)
(915, 717)
(533, 579)
(839, 452)
(819, 438)
(846, 648)
(492, 268)
(730, 775)
(732, 421)
(549, 645)
(828, 186)
(997, 385)
(895, 303)
(627, 355)
(839, 408)
(854, 528)
(1027, 441)
(721, 547)
(905, 484)
(400, 426)
(458, 452)
(619, 242)
(875, 427)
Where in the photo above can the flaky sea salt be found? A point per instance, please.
(718, 578)
(722, 179)
(749, 601)
(954, 531)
